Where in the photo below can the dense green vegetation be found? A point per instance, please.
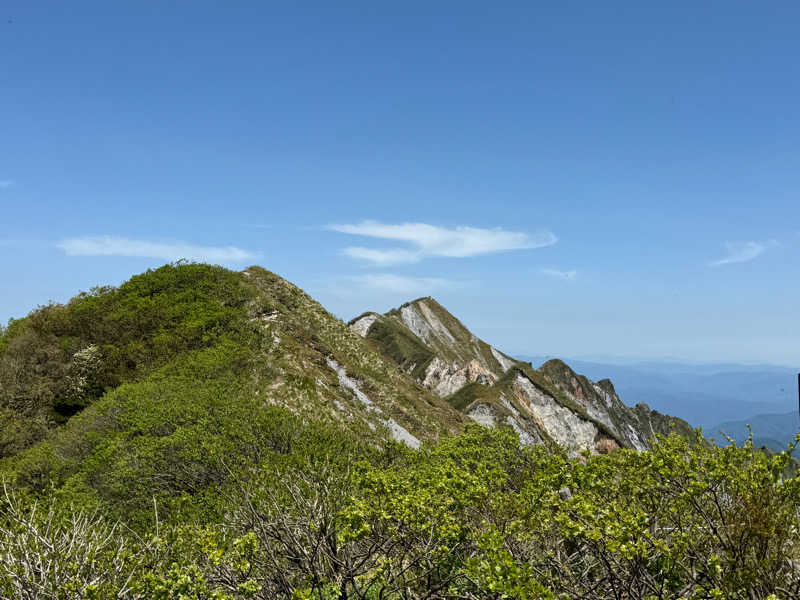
(317, 514)
(61, 358)
(143, 458)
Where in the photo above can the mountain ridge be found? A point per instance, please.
(182, 365)
(550, 404)
(191, 363)
(703, 394)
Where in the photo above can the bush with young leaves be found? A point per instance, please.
(315, 513)
(47, 554)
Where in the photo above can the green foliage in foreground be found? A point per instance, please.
(319, 515)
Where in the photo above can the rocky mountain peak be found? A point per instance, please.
(552, 404)
(427, 340)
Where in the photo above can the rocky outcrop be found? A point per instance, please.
(362, 324)
(423, 323)
(483, 413)
(446, 379)
(600, 403)
(398, 432)
(564, 426)
(634, 427)
(551, 404)
(316, 366)
(505, 362)
(491, 415)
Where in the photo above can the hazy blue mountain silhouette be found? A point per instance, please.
(774, 431)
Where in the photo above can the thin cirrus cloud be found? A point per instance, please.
(425, 240)
(559, 274)
(120, 246)
(382, 257)
(739, 252)
(400, 284)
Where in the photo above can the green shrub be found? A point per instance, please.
(61, 358)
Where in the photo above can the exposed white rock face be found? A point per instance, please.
(595, 409)
(505, 362)
(565, 427)
(350, 384)
(399, 432)
(265, 317)
(483, 414)
(509, 407)
(635, 438)
(436, 325)
(486, 415)
(598, 413)
(447, 378)
(476, 352)
(525, 438)
(414, 321)
(438, 376)
(599, 407)
(361, 327)
(604, 395)
(423, 322)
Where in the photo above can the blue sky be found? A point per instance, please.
(574, 178)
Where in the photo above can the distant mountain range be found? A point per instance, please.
(713, 396)
(774, 431)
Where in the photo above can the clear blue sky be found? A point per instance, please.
(574, 178)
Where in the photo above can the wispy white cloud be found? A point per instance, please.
(5, 183)
(559, 274)
(120, 246)
(400, 284)
(382, 257)
(430, 240)
(739, 252)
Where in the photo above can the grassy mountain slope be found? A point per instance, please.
(163, 387)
